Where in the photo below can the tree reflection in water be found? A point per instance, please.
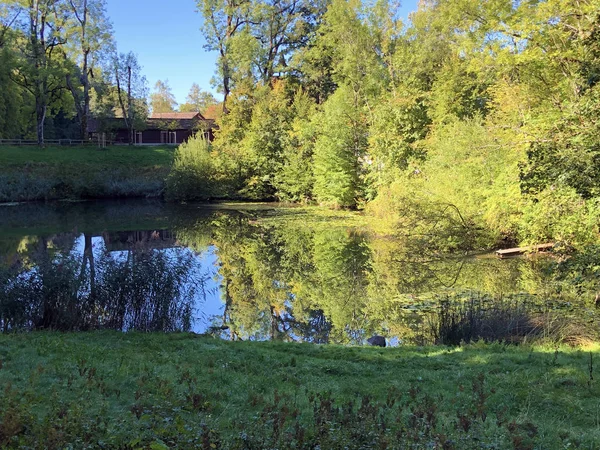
(136, 288)
(335, 284)
(278, 279)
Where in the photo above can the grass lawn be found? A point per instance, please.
(115, 156)
(113, 390)
(32, 173)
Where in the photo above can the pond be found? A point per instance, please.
(251, 272)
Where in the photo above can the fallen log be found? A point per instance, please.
(510, 252)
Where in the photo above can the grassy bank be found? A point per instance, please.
(109, 390)
(33, 173)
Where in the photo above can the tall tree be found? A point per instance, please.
(281, 27)
(131, 91)
(89, 32)
(10, 93)
(162, 99)
(339, 149)
(223, 21)
(40, 71)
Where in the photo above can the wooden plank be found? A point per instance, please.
(507, 253)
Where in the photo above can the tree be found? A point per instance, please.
(264, 140)
(89, 32)
(294, 180)
(10, 98)
(131, 91)
(223, 21)
(39, 69)
(11, 95)
(9, 14)
(162, 99)
(281, 27)
(340, 145)
(198, 100)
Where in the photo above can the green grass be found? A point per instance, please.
(53, 173)
(115, 156)
(107, 389)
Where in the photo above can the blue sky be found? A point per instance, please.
(166, 37)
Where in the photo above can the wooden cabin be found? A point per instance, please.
(162, 128)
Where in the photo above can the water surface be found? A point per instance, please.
(240, 272)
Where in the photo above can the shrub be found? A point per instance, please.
(198, 173)
(481, 318)
(466, 187)
(559, 213)
(23, 188)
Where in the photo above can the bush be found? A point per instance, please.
(467, 187)
(16, 188)
(195, 174)
(48, 184)
(561, 214)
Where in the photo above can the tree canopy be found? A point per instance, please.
(478, 116)
(474, 116)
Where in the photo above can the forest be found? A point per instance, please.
(60, 69)
(473, 116)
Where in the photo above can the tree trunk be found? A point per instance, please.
(120, 97)
(85, 76)
(130, 107)
(226, 88)
(78, 104)
(40, 113)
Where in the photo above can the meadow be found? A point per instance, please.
(74, 173)
(182, 390)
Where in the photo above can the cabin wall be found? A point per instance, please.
(152, 136)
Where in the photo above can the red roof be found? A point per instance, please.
(176, 115)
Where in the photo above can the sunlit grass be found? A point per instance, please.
(32, 173)
(115, 156)
(110, 378)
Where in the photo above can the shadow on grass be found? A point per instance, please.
(184, 391)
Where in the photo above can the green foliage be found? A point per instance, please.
(341, 141)
(570, 156)
(460, 120)
(264, 141)
(294, 181)
(397, 126)
(11, 99)
(468, 179)
(560, 213)
(198, 100)
(195, 174)
(162, 99)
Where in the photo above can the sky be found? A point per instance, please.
(165, 35)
